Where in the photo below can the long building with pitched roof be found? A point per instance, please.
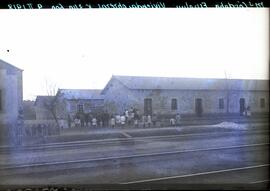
(191, 96)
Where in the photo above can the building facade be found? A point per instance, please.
(11, 94)
(188, 96)
(75, 101)
(43, 107)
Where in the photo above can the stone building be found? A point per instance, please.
(11, 94)
(42, 107)
(188, 96)
(66, 104)
(80, 100)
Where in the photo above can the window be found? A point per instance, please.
(1, 104)
(221, 103)
(174, 104)
(262, 103)
(80, 108)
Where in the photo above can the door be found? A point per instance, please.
(242, 105)
(148, 106)
(198, 106)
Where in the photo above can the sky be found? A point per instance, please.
(82, 49)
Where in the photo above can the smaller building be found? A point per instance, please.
(67, 104)
(42, 107)
(80, 101)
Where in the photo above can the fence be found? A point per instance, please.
(36, 128)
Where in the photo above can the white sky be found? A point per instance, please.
(83, 48)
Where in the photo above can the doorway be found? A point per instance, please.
(198, 107)
(242, 105)
(148, 106)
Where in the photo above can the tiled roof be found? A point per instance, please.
(172, 83)
(80, 93)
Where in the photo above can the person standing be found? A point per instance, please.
(89, 119)
(178, 119)
(136, 119)
(126, 113)
(172, 122)
(101, 123)
(123, 120)
(149, 120)
(69, 120)
(86, 118)
(112, 121)
(94, 122)
(118, 120)
(132, 113)
(154, 119)
(82, 119)
(245, 111)
(144, 120)
(99, 119)
(77, 122)
(248, 111)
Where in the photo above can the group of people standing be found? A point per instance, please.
(89, 119)
(129, 118)
(132, 118)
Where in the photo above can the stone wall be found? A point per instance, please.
(161, 100)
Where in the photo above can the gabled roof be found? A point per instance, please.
(80, 93)
(43, 100)
(172, 83)
(8, 67)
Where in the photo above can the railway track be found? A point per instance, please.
(243, 152)
(133, 156)
(117, 141)
(200, 174)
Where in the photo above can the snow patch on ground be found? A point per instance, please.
(231, 125)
